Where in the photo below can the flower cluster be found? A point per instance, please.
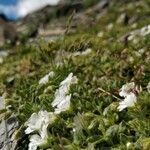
(129, 91)
(38, 122)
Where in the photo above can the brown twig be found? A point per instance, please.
(108, 93)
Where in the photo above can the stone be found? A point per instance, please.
(7, 128)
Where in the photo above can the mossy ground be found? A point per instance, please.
(111, 64)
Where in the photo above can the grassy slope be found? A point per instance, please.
(110, 65)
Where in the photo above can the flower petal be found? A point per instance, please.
(129, 101)
(45, 79)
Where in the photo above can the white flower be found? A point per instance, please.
(37, 141)
(129, 101)
(32, 146)
(63, 90)
(39, 121)
(45, 79)
(34, 123)
(62, 100)
(126, 89)
(34, 139)
(69, 80)
(148, 87)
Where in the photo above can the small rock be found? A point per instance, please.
(3, 54)
(123, 19)
(100, 34)
(110, 26)
(7, 128)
